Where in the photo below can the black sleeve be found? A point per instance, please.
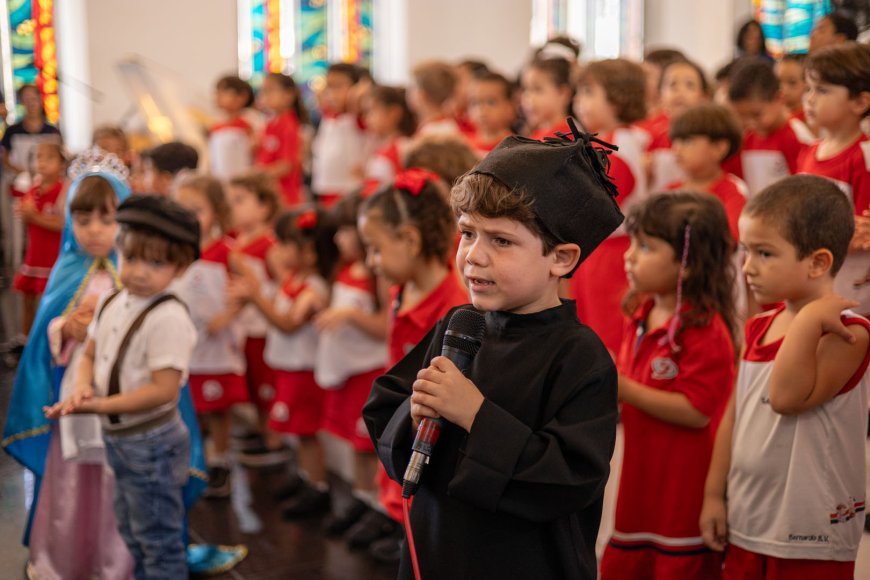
(550, 472)
(6, 142)
(387, 413)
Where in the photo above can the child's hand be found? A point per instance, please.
(240, 290)
(825, 312)
(332, 318)
(443, 389)
(714, 522)
(861, 238)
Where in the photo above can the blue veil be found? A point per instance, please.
(27, 433)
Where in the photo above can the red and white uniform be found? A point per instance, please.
(439, 127)
(652, 126)
(482, 147)
(298, 407)
(732, 192)
(229, 148)
(541, 134)
(663, 166)
(796, 485)
(217, 366)
(850, 170)
(383, 166)
(349, 360)
(406, 330)
(339, 154)
(664, 467)
(43, 244)
(259, 376)
(765, 160)
(282, 141)
(600, 283)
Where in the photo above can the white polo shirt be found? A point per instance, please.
(164, 341)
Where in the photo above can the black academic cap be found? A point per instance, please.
(163, 216)
(567, 178)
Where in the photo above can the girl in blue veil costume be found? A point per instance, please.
(27, 434)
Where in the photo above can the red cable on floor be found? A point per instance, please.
(410, 535)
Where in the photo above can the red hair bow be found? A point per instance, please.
(307, 220)
(413, 180)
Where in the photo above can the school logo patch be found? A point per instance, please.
(212, 390)
(664, 369)
(280, 412)
(846, 511)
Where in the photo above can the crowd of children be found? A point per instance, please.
(303, 273)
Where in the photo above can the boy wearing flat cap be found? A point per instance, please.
(515, 485)
(135, 362)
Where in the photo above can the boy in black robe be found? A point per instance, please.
(515, 485)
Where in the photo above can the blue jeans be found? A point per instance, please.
(150, 470)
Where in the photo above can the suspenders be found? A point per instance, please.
(115, 375)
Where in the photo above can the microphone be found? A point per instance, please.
(463, 338)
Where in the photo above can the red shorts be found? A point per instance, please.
(259, 376)
(389, 494)
(213, 392)
(343, 413)
(653, 562)
(29, 284)
(745, 565)
(298, 406)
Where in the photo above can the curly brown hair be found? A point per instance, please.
(262, 186)
(708, 287)
(624, 83)
(447, 155)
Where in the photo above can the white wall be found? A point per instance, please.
(496, 32)
(189, 42)
(704, 29)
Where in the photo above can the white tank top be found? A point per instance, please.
(796, 483)
(347, 350)
(293, 351)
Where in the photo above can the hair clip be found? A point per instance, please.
(97, 160)
(414, 179)
(307, 220)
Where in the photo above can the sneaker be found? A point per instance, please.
(388, 550)
(337, 524)
(372, 526)
(308, 502)
(289, 489)
(218, 482)
(262, 456)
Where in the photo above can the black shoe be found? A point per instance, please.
(372, 526)
(289, 489)
(262, 456)
(337, 524)
(246, 441)
(388, 550)
(308, 502)
(218, 482)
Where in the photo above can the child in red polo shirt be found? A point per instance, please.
(676, 369)
(41, 209)
(280, 151)
(837, 101)
(408, 231)
(772, 140)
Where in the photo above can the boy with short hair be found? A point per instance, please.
(703, 138)
(838, 100)
(492, 109)
(516, 484)
(789, 453)
(162, 164)
(431, 95)
(772, 141)
(134, 363)
(831, 30)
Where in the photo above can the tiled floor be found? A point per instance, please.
(277, 549)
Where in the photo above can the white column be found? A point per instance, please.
(77, 97)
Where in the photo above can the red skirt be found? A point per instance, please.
(260, 377)
(389, 494)
(343, 413)
(299, 404)
(217, 392)
(29, 284)
(745, 565)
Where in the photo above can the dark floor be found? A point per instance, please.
(277, 549)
